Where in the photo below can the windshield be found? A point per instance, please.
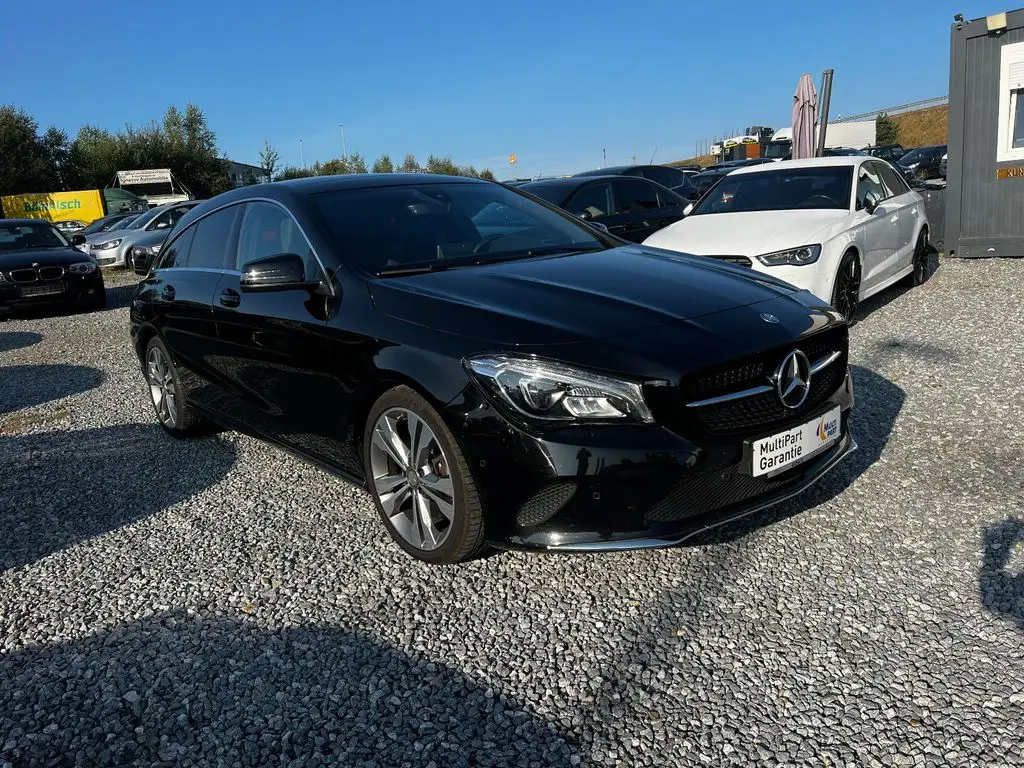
(780, 190)
(144, 219)
(16, 237)
(778, 149)
(123, 223)
(435, 226)
(100, 225)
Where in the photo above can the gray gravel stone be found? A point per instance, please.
(174, 603)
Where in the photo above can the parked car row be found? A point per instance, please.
(133, 237)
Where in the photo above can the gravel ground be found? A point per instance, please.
(218, 602)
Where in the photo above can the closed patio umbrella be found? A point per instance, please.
(805, 111)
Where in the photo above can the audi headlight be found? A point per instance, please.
(107, 245)
(543, 389)
(796, 257)
(82, 268)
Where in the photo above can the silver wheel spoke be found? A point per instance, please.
(387, 439)
(420, 437)
(439, 489)
(388, 483)
(430, 537)
(392, 503)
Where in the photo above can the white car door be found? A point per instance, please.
(880, 228)
(911, 208)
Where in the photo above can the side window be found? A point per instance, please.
(868, 180)
(896, 184)
(211, 244)
(667, 198)
(634, 196)
(176, 253)
(177, 213)
(667, 177)
(163, 221)
(268, 230)
(595, 198)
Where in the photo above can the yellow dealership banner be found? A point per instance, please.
(86, 206)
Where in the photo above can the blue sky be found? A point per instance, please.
(556, 81)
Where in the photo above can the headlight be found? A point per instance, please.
(552, 391)
(146, 250)
(805, 254)
(107, 245)
(82, 268)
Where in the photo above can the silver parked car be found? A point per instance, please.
(113, 248)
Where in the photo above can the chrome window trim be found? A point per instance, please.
(278, 203)
(816, 367)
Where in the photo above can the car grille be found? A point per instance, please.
(32, 275)
(754, 413)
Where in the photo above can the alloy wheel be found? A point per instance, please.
(848, 288)
(162, 386)
(411, 478)
(921, 260)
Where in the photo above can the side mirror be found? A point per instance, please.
(688, 210)
(77, 240)
(871, 202)
(161, 225)
(283, 272)
(586, 215)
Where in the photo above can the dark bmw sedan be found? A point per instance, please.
(38, 267)
(492, 370)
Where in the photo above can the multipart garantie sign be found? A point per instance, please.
(151, 176)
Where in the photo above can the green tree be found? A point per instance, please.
(356, 163)
(409, 164)
(96, 154)
(25, 163)
(331, 167)
(887, 130)
(269, 158)
(291, 172)
(383, 164)
(486, 174)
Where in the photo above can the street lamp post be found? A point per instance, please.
(302, 158)
(344, 148)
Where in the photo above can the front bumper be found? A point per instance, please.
(74, 290)
(110, 257)
(623, 487)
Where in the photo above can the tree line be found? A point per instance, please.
(51, 161)
(356, 163)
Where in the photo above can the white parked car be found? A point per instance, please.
(843, 228)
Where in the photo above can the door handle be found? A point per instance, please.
(230, 298)
(168, 293)
(895, 218)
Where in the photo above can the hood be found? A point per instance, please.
(748, 234)
(563, 299)
(44, 257)
(131, 235)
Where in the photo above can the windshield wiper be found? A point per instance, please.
(569, 248)
(414, 270)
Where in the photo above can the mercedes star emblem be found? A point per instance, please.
(769, 318)
(793, 379)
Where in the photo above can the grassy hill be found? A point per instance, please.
(916, 129)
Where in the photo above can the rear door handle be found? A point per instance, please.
(168, 293)
(230, 298)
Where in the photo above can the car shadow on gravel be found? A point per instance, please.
(182, 688)
(894, 292)
(121, 296)
(1001, 578)
(877, 404)
(12, 340)
(63, 487)
(26, 386)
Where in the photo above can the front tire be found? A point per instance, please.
(420, 481)
(846, 289)
(168, 394)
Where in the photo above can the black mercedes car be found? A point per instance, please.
(38, 266)
(491, 369)
(665, 175)
(630, 207)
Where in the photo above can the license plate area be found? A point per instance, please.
(34, 291)
(777, 453)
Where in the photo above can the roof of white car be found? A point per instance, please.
(810, 162)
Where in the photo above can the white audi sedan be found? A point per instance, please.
(843, 228)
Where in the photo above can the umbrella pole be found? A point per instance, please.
(826, 97)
